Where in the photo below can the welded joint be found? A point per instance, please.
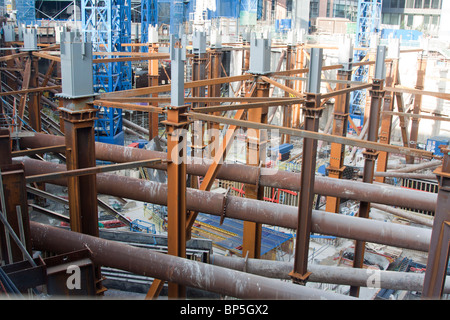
(298, 278)
(370, 154)
(377, 90)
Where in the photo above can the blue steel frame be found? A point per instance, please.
(107, 24)
(149, 17)
(368, 23)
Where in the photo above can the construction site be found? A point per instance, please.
(225, 150)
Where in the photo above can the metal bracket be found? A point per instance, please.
(224, 206)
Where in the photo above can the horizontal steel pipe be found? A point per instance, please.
(252, 210)
(409, 281)
(170, 268)
(345, 189)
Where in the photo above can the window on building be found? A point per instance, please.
(426, 4)
(401, 4)
(410, 3)
(395, 18)
(435, 20)
(409, 21)
(394, 3)
(289, 5)
(418, 4)
(435, 4)
(386, 18)
(426, 22)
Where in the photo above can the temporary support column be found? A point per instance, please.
(215, 60)
(414, 134)
(287, 111)
(341, 113)
(198, 73)
(439, 252)
(153, 80)
(370, 155)
(13, 203)
(313, 111)
(388, 105)
(256, 153)
(78, 116)
(176, 127)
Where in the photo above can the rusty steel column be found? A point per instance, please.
(370, 156)
(80, 153)
(251, 245)
(198, 73)
(341, 114)
(438, 254)
(414, 134)
(13, 194)
(388, 105)
(176, 127)
(77, 117)
(153, 80)
(287, 110)
(214, 71)
(313, 111)
(34, 100)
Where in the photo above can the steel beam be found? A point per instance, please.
(252, 210)
(173, 269)
(354, 190)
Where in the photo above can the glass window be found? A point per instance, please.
(410, 3)
(409, 22)
(394, 18)
(401, 4)
(386, 18)
(394, 3)
(435, 4)
(426, 4)
(418, 4)
(435, 20)
(426, 20)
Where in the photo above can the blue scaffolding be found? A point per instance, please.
(368, 23)
(149, 17)
(107, 24)
(26, 12)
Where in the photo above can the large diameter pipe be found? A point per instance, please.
(409, 281)
(252, 210)
(170, 268)
(340, 188)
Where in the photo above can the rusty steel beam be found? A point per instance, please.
(316, 135)
(251, 210)
(354, 190)
(396, 280)
(173, 269)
